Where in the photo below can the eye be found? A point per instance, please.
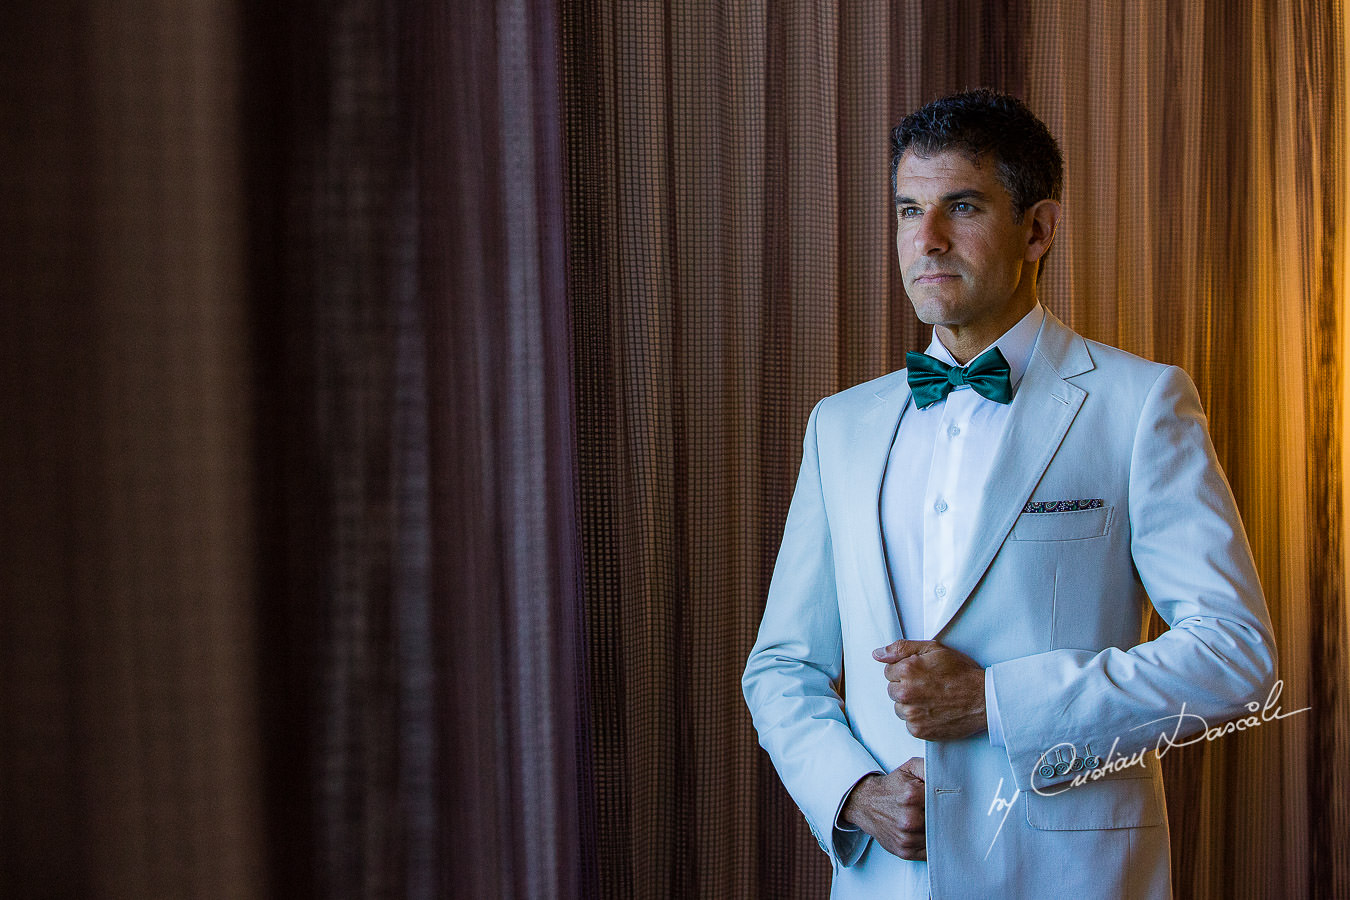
(962, 207)
(909, 212)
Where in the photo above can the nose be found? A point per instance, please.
(931, 238)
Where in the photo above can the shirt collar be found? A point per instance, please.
(1016, 344)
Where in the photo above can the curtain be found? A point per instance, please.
(731, 263)
(401, 403)
(1206, 206)
(288, 585)
(130, 754)
(423, 593)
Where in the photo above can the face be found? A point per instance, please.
(967, 264)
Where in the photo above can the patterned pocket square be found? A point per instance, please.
(1054, 506)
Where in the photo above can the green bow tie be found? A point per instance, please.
(931, 380)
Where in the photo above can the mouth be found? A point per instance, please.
(935, 277)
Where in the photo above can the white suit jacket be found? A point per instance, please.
(1105, 494)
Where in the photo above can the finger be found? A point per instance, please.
(912, 767)
(899, 670)
(913, 850)
(898, 650)
(911, 793)
(899, 691)
(923, 727)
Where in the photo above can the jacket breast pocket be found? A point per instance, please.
(1114, 802)
(1077, 525)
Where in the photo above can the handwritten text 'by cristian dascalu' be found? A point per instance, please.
(1186, 723)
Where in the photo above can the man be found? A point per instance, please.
(949, 676)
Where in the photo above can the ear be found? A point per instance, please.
(1043, 219)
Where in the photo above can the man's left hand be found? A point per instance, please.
(938, 691)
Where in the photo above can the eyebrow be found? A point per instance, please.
(965, 194)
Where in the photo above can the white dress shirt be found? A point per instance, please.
(934, 484)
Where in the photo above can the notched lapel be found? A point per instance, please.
(1042, 411)
(869, 451)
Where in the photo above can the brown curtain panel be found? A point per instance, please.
(422, 596)
(731, 263)
(130, 753)
(288, 578)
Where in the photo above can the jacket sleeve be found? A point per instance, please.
(791, 677)
(1192, 557)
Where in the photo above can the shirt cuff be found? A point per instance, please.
(839, 822)
(995, 722)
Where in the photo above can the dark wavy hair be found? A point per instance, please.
(986, 124)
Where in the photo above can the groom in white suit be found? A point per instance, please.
(950, 676)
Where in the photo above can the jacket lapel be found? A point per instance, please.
(1042, 410)
(869, 452)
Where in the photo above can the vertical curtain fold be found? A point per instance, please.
(422, 590)
(508, 483)
(130, 750)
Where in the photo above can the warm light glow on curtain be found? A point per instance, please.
(1206, 176)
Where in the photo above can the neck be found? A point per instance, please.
(965, 342)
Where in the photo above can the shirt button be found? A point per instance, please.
(953, 430)
(940, 590)
(940, 505)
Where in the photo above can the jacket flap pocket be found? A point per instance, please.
(1094, 805)
(1063, 526)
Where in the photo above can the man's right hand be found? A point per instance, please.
(890, 809)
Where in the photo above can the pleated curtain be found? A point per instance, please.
(732, 251)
